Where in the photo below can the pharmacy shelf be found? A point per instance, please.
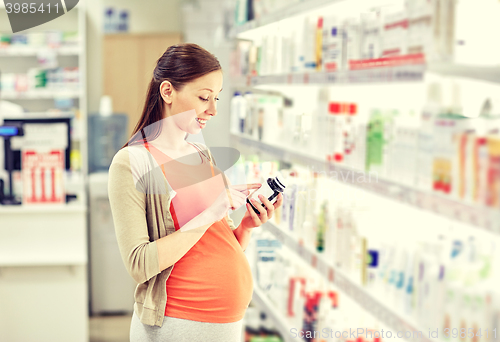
(403, 73)
(40, 94)
(45, 260)
(388, 74)
(378, 308)
(474, 215)
(49, 209)
(260, 298)
(484, 73)
(17, 51)
(40, 115)
(282, 13)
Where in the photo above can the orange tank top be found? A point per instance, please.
(212, 282)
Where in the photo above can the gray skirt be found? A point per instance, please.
(183, 330)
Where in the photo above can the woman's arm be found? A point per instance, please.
(243, 236)
(174, 246)
(143, 258)
(127, 199)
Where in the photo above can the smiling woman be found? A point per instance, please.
(175, 69)
(170, 203)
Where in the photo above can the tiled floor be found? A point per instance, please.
(109, 328)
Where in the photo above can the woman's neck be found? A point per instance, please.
(171, 136)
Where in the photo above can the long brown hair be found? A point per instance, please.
(179, 64)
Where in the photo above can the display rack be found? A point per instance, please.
(362, 73)
(278, 319)
(393, 319)
(77, 208)
(406, 73)
(41, 94)
(16, 51)
(79, 92)
(282, 13)
(389, 74)
(483, 217)
(43, 249)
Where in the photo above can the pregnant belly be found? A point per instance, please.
(212, 282)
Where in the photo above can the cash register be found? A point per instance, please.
(7, 131)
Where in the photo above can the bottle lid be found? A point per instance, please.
(344, 107)
(353, 108)
(280, 180)
(334, 107)
(320, 22)
(237, 93)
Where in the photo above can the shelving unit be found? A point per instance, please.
(17, 51)
(279, 321)
(43, 249)
(282, 13)
(388, 74)
(395, 320)
(41, 94)
(407, 73)
(482, 217)
(379, 72)
(72, 208)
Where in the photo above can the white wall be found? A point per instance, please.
(200, 24)
(149, 16)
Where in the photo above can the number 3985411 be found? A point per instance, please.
(31, 7)
(470, 333)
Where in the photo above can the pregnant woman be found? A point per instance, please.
(170, 202)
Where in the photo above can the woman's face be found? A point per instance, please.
(195, 104)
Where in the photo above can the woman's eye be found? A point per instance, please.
(201, 98)
(217, 98)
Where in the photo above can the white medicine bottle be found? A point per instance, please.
(270, 189)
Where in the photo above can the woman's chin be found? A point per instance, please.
(194, 130)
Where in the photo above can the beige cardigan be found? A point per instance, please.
(140, 197)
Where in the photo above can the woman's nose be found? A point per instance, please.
(212, 109)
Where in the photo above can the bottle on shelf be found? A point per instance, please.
(238, 113)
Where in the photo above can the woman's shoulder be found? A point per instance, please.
(130, 151)
(133, 156)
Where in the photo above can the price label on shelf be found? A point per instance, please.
(280, 236)
(314, 261)
(473, 218)
(434, 206)
(300, 249)
(331, 275)
(298, 79)
(323, 268)
(330, 77)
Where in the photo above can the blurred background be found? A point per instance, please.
(383, 116)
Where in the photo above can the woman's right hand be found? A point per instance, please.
(232, 197)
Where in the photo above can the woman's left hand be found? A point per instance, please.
(252, 220)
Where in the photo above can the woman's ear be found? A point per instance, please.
(166, 89)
